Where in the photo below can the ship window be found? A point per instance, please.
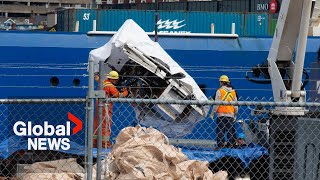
(54, 81)
(76, 82)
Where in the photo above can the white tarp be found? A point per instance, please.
(131, 34)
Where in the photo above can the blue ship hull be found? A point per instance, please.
(205, 59)
(36, 56)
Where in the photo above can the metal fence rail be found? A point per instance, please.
(275, 147)
(156, 137)
(49, 131)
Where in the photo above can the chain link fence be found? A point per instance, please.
(37, 133)
(156, 137)
(165, 129)
(264, 146)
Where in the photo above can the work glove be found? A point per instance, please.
(96, 77)
(125, 92)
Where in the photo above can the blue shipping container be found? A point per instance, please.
(172, 21)
(252, 24)
(67, 19)
(86, 18)
(112, 20)
(201, 22)
(256, 24)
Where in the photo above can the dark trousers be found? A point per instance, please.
(225, 125)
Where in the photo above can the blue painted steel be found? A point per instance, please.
(66, 19)
(85, 18)
(112, 20)
(174, 21)
(60, 21)
(189, 52)
(201, 22)
(251, 24)
(205, 59)
(63, 19)
(196, 22)
(256, 24)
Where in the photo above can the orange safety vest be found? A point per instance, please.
(226, 96)
(111, 91)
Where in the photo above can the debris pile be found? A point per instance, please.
(145, 153)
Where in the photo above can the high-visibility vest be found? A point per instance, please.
(110, 89)
(226, 96)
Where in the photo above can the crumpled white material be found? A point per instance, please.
(130, 33)
(145, 153)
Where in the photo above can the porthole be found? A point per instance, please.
(76, 82)
(54, 81)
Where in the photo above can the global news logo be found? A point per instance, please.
(40, 135)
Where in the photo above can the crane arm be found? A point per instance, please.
(292, 29)
(285, 62)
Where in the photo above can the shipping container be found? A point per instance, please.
(201, 22)
(86, 18)
(256, 24)
(202, 6)
(173, 21)
(272, 26)
(112, 20)
(259, 6)
(246, 24)
(67, 18)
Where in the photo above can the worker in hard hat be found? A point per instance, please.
(111, 92)
(225, 113)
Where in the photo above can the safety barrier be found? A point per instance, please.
(42, 138)
(265, 145)
(156, 137)
(171, 136)
(46, 138)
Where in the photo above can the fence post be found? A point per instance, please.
(90, 112)
(107, 137)
(86, 135)
(108, 128)
(100, 112)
